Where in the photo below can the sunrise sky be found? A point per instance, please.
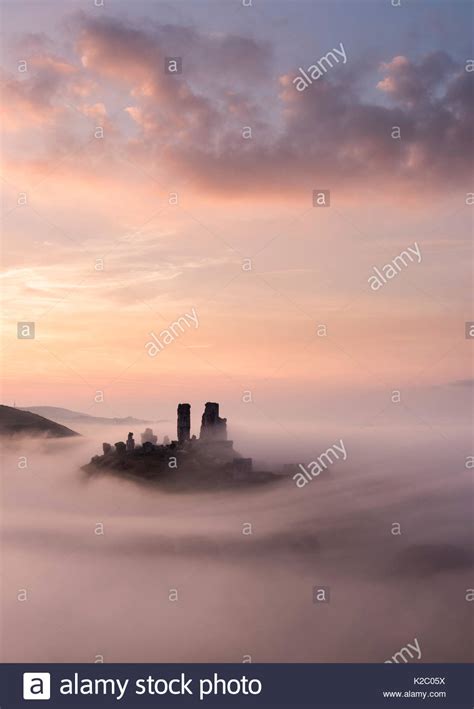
(98, 254)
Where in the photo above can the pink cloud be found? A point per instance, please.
(191, 125)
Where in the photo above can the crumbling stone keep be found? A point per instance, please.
(184, 422)
(213, 427)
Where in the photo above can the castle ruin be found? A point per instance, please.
(209, 459)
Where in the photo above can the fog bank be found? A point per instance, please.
(173, 577)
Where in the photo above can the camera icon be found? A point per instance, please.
(36, 685)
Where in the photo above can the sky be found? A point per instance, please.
(132, 197)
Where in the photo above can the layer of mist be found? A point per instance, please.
(91, 596)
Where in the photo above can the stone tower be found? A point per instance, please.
(184, 422)
(213, 428)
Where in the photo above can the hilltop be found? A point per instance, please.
(16, 421)
(57, 413)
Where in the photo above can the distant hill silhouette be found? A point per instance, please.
(57, 413)
(16, 421)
